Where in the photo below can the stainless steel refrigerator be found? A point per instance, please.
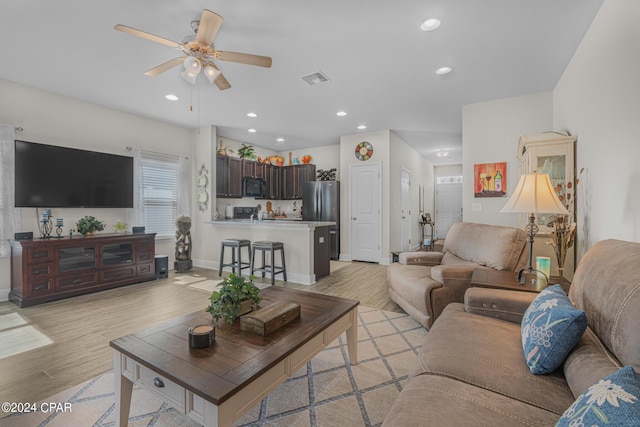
(321, 202)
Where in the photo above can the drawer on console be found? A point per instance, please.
(39, 287)
(115, 275)
(41, 254)
(145, 269)
(143, 257)
(39, 270)
(76, 282)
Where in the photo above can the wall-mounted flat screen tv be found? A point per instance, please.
(59, 177)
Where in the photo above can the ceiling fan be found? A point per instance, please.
(199, 51)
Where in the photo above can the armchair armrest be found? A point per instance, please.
(498, 303)
(428, 259)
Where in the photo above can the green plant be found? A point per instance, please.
(225, 302)
(89, 224)
(247, 152)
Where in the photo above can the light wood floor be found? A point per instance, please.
(81, 327)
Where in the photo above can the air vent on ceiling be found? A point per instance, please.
(315, 78)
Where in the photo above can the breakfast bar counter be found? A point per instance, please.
(306, 243)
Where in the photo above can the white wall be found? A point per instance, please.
(404, 156)
(57, 120)
(490, 133)
(598, 100)
(447, 170)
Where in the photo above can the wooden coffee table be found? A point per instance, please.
(216, 386)
(489, 278)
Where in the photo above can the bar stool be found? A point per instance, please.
(273, 269)
(233, 244)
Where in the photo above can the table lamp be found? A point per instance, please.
(534, 194)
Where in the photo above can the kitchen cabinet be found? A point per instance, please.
(273, 179)
(229, 173)
(292, 179)
(253, 169)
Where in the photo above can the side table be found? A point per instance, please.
(489, 278)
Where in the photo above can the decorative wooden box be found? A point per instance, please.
(269, 318)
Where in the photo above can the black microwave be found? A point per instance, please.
(253, 187)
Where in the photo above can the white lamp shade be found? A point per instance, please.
(189, 77)
(211, 73)
(192, 65)
(534, 194)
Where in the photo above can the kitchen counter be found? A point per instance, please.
(304, 243)
(277, 223)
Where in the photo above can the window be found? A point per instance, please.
(159, 193)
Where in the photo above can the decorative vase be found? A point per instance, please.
(89, 234)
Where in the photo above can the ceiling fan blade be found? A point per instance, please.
(164, 67)
(244, 58)
(148, 36)
(210, 23)
(222, 82)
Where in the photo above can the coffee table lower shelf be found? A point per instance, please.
(128, 370)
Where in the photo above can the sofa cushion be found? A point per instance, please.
(432, 400)
(551, 327)
(487, 352)
(588, 362)
(614, 400)
(607, 287)
(493, 246)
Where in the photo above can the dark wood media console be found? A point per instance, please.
(49, 269)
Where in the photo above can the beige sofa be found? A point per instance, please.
(423, 283)
(471, 369)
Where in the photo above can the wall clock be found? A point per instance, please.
(201, 183)
(364, 151)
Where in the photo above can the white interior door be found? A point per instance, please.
(365, 207)
(405, 213)
(448, 207)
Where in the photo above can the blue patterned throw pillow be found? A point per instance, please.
(550, 328)
(612, 401)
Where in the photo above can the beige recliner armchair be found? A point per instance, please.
(423, 283)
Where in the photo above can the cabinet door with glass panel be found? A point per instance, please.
(551, 153)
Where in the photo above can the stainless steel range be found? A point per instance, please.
(245, 212)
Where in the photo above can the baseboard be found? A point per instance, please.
(344, 257)
(385, 261)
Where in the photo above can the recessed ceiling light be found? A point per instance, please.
(362, 127)
(430, 24)
(280, 139)
(442, 154)
(171, 97)
(252, 115)
(252, 130)
(341, 114)
(443, 70)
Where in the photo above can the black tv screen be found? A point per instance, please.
(59, 177)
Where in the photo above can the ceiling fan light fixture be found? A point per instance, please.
(211, 73)
(189, 77)
(443, 70)
(192, 65)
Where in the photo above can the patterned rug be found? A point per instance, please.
(328, 391)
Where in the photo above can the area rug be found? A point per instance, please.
(328, 391)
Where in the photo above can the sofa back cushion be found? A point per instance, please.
(493, 246)
(606, 285)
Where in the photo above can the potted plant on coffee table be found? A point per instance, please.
(235, 297)
(88, 225)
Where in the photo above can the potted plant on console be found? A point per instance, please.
(236, 297)
(88, 225)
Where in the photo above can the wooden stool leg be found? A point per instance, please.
(284, 267)
(263, 262)
(253, 258)
(221, 260)
(233, 259)
(273, 267)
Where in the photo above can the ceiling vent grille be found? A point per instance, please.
(315, 78)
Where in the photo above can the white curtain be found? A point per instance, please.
(135, 216)
(10, 220)
(184, 186)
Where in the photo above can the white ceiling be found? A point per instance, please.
(381, 66)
